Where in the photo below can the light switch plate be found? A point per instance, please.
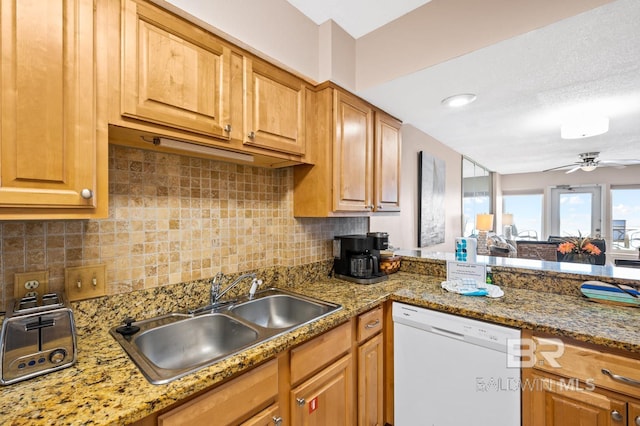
(30, 283)
(85, 282)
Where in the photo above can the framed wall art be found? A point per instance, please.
(431, 207)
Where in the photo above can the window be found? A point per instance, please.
(625, 217)
(576, 211)
(527, 215)
(476, 194)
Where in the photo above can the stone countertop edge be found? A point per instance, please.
(105, 387)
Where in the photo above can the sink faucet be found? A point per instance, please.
(216, 294)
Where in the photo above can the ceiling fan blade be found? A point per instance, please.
(574, 169)
(619, 162)
(560, 167)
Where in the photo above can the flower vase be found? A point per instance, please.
(579, 258)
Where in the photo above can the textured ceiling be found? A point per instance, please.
(527, 86)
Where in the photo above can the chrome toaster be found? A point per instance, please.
(38, 337)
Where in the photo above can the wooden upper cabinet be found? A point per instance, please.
(352, 154)
(388, 153)
(173, 73)
(356, 152)
(274, 108)
(53, 153)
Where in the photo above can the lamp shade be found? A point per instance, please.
(507, 219)
(484, 222)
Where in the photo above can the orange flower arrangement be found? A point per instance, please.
(579, 245)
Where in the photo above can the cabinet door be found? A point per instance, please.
(275, 109)
(268, 417)
(225, 405)
(326, 398)
(370, 382)
(352, 154)
(173, 73)
(555, 401)
(634, 414)
(49, 140)
(387, 168)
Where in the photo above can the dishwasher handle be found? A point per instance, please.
(448, 333)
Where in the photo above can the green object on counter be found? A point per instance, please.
(489, 279)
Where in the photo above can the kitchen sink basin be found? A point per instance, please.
(170, 346)
(280, 311)
(194, 341)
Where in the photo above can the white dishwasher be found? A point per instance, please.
(452, 371)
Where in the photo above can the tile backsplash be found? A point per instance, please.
(172, 219)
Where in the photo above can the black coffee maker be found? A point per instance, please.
(356, 258)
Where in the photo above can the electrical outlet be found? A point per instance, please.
(34, 283)
(85, 282)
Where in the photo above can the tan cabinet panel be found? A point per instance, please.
(275, 109)
(353, 154)
(236, 400)
(173, 73)
(326, 398)
(370, 382)
(550, 401)
(51, 143)
(269, 417)
(388, 154)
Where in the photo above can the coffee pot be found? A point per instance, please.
(363, 265)
(357, 257)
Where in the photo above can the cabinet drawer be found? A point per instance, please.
(587, 364)
(314, 355)
(369, 323)
(231, 402)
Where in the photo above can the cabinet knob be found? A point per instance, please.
(227, 128)
(86, 193)
(637, 421)
(300, 402)
(277, 421)
(368, 207)
(251, 135)
(616, 416)
(380, 206)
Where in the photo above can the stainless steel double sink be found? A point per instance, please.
(171, 346)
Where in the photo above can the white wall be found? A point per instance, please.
(337, 56)
(403, 227)
(273, 29)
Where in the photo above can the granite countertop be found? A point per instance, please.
(105, 387)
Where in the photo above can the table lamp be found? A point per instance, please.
(484, 224)
(507, 221)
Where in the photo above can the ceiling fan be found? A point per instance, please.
(589, 162)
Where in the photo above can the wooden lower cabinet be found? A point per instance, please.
(370, 382)
(370, 350)
(633, 413)
(239, 400)
(269, 417)
(326, 398)
(572, 383)
(556, 401)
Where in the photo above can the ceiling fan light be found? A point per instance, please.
(584, 127)
(589, 167)
(459, 100)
